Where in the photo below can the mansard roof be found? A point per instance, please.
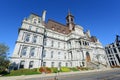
(58, 27)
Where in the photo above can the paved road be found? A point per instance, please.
(113, 74)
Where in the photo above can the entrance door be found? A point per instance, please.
(88, 57)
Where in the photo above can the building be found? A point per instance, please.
(53, 44)
(113, 53)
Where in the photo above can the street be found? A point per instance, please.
(113, 74)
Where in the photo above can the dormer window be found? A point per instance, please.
(35, 21)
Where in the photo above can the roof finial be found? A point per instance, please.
(69, 12)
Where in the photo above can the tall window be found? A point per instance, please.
(65, 56)
(45, 42)
(35, 21)
(58, 55)
(30, 27)
(59, 64)
(31, 64)
(27, 37)
(44, 64)
(36, 29)
(80, 42)
(34, 39)
(64, 46)
(44, 53)
(58, 44)
(52, 64)
(32, 51)
(66, 64)
(52, 43)
(51, 54)
(22, 63)
(24, 51)
(115, 51)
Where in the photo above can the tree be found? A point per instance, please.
(4, 62)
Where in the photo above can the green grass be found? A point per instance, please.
(64, 69)
(74, 69)
(23, 72)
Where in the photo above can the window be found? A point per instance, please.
(65, 56)
(52, 43)
(34, 39)
(85, 43)
(44, 64)
(58, 44)
(31, 64)
(58, 53)
(59, 64)
(80, 42)
(44, 53)
(27, 37)
(108, 51)
(64, 46)
(30, 27)
(115, 51)
(119, 49)
(45, 42)
(35, 21)
(36, 29)
(32, 51)
(52, 64)
(66, 64)
(51, 54)
(39, 21)
(24, 51)
(22, 63)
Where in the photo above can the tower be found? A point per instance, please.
(70, 21)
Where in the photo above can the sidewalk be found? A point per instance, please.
(23, 77)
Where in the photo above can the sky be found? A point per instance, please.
(101, 17)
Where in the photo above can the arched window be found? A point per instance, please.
(27, 37)
(34, 39)
(22, 63)
(32, 51)
(24, 51)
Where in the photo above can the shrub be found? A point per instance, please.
(64, 69)
(83, 68)
(24, 72)
(54, 70)
(45, 70)
(74, 69)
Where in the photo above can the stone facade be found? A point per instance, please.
(53, 44)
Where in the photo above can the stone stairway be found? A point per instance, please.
(96, 65)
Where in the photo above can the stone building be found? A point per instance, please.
(53, 44)
(113, 53)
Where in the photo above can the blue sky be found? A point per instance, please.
(101, 17)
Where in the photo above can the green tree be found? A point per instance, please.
(4, 62)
